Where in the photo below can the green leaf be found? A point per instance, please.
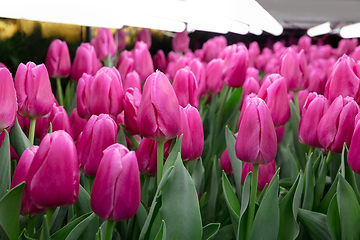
(287, 163)
(65, 231)
(324, 204)
(241, 232)
(162, 232)
(289, 207)
(141, 214)
(58, 218)
(180, 201)
(170, 161)
(315, 224)
(214, 189)
(197, 175)
(309, 184)
(210, 230)
(267, 219)
(231, 201)
(120, 138)
(320, 182)
(45, 234)
(5, 166)
(18, 139)
(10, 206)
(236, 164)
(349, 210)
(224, 233)
(347, 172)
(82, 205)
(80, 228)
(333, 219)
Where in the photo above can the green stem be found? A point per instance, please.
(108, 62)
(131, 138)
(49, 213)
(203, 102)
(60, 91)
(31, 226)
(109, 229)
(91, 181)
(296, 102)
(311, 150)
(32, 130)
(328, 159)
(253, 192)
(160, 160)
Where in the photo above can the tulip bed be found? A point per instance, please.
(226, 142)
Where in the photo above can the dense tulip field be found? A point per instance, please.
(224, 142)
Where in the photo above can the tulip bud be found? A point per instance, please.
(58, 59)
(125, 65)
(85, 61)
(160, 60)
(304, 43)
(251, 85)
(33, 90)
(132, 80)
(60, 120)
(337, 125)
(225, 162)
(144, 35)
(116, 190)
(143, 63)
(198, 69)
(314, 108)
(181, 41)
(132, 99)
(213, 82)
(253, 72)
(121, 39)
(77, 123)
(354, 154)
(185, 87)
(274, 92)
(83, 95)
(53, 178)
(254, 52)
(20, 175)
(317, 80)
(256, 140)
(266, 173)
(236, 61)
(158, 113)
(213, 47)
(99, 133)
(8, 100)
(193, 135)
(104, 44)
(280, 131)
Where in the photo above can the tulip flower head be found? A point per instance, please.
(144, 35)
(104, 44)
(58, 59)
(185, 87)
(143, 63)
(181, 41)
(225, 162)
(7, 99)
(160, 61)
(131, 104)
(353, 156)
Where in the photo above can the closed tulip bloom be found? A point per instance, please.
(213, 82)
(256, 140)
(213, 47)
(181, 41)
(125, 67)
(353, 156)
(317, 80)
(83, 95)
(7, 99)
(132, 99)
(143, 63)
(144, 35)
(106, 92)
(251, 85)
(193, 135)
(313, 110)
(185, 87)
(280, 131)
(236, 62)
(198, 69)
(304, 43)
(147, 155)
(274, 92)
(116, 190)
(253, 72)
(337, 125)
(262, 59)
(343, 80)
(20, 175)
(85, 61)
(58, 59)
(160, 61)
(53, 178)
(104, 44)
(121, 39)
(266, 173)
(293, 67)
(158, 113)
(99, 133)
(225, 162)
(254, 52)
(77, 123)
(132, 80)
(60, 120)
(33, 90)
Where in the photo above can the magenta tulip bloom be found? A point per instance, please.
(256, 140)
(293, 67)
(58, 59)
(60, 120)
(116, 190)
(185, 87)
(77, 123)
(251, 85)
(53, 178)
(104, 44)
(353, 156)
(254, 52)
(160, 61)
(313, 110)
(7, 99)
(198, 69)
(236, 62)
(343, 80)
(192, 143)
(337, 125)
(121, 39)
(317, 80)
(280, 131)
(225, 162)
(83, 95)
(144, 35)
(143, 63)
(125, 65)
(213, 82)
(85, 61)
(181, 41)
(33, 90)
(132, 80)
(266, 173)
(213, 47)
(20, 176)
(158, 113)
(274, 92)
(99, 133)
(132, 99)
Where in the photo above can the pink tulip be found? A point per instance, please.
(125, 65)
(60, 120)
(77, 123)
(158, 113)
(304, 43)
(121, 39)
(83, 95)
(213, 82)
(85, 61)
(116, 190)
(7, 99)
(160, 61)
(99, 133)
(266, 173)
(213, 47)
(198, 69)
(354, 154)
(254, 52)
(58, 59)
(132, 99)
(132, 80)
(280, 131)
(104, 44)
(317, 80)
(253, 72)
(144, 35)
(53, 178)
(263, 58)
(256, 140)
(181, 41)
(33, 90)
(225, 162)
(337, 125)
(251, 85)
(185, 87)
(143, 63)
